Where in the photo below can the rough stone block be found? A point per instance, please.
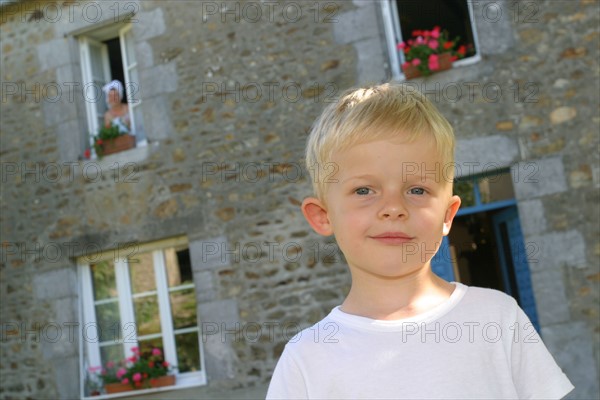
(531, 214)
(485, 154)
(66, 372)
(144, 55)
(157, 80)
(494, 27)
(157, 118)
(219, 324)
(550, 297)
(60, 335)
(206, 289)
(47, 53)
(210, 253)
(539, 178)
(151, 24)
(572, 346)
(57, 108)
(371, 60)
(357, 24)
(55, 284)
(69, 140)
(555, 249)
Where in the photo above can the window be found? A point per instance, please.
(402, 17)
(485, 190)
(142, 296)
(107, 54)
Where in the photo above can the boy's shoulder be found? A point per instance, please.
(323, 331)
(467, 302)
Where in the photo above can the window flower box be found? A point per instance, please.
(161, 381)
(143, 370)
(118, 144)
(444, 63)
(110, 140)
(428, 52)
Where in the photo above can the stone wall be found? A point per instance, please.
(228, 98)
(227, 102)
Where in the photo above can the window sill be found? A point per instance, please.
(132, 157)
(460, 70)
(196, 380)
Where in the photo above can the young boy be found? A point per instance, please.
(381, 162)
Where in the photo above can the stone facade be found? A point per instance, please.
(229, 90)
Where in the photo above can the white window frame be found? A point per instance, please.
(127, 315)
(393, 33)
(90, 82)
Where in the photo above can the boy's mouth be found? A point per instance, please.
(393, 238)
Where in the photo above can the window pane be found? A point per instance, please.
(496, 187)
(179, 267)
(108, 321)
(112, 353)
(141, 273)
(464, 190)
(183, 308)
(146, 345)
(450, 15)
(99, 78)
(103, 280)
(147, 317)
(188, 352)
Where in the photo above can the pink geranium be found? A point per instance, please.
(137, 370)
(121, 372)
(429, 51)
(433, 62)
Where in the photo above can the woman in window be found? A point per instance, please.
(118, 112)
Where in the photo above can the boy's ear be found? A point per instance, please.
(316, 214)
(451, 211)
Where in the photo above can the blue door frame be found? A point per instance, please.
(511, 252)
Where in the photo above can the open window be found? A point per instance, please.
(402, 17)
(140, 296)
(107, 54)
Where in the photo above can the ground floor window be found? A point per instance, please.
(139, 298)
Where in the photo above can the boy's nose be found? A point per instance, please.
(393, 210)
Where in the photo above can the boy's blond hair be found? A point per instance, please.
(372, 113)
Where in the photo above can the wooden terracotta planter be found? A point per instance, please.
(167, 380)
(444, 61)
(120, 143)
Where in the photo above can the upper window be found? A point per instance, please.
(106, 55)
(402, 19)
(142, 297)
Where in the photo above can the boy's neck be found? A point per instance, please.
(391, 299)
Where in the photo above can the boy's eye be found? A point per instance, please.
(418, 191)
(362, 191)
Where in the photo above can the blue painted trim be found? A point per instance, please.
(486, 207)
(477, 193)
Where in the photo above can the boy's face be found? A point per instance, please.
(390, 206)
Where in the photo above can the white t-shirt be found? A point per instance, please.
(478, 344)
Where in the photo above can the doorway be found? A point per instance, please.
(485, 246)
